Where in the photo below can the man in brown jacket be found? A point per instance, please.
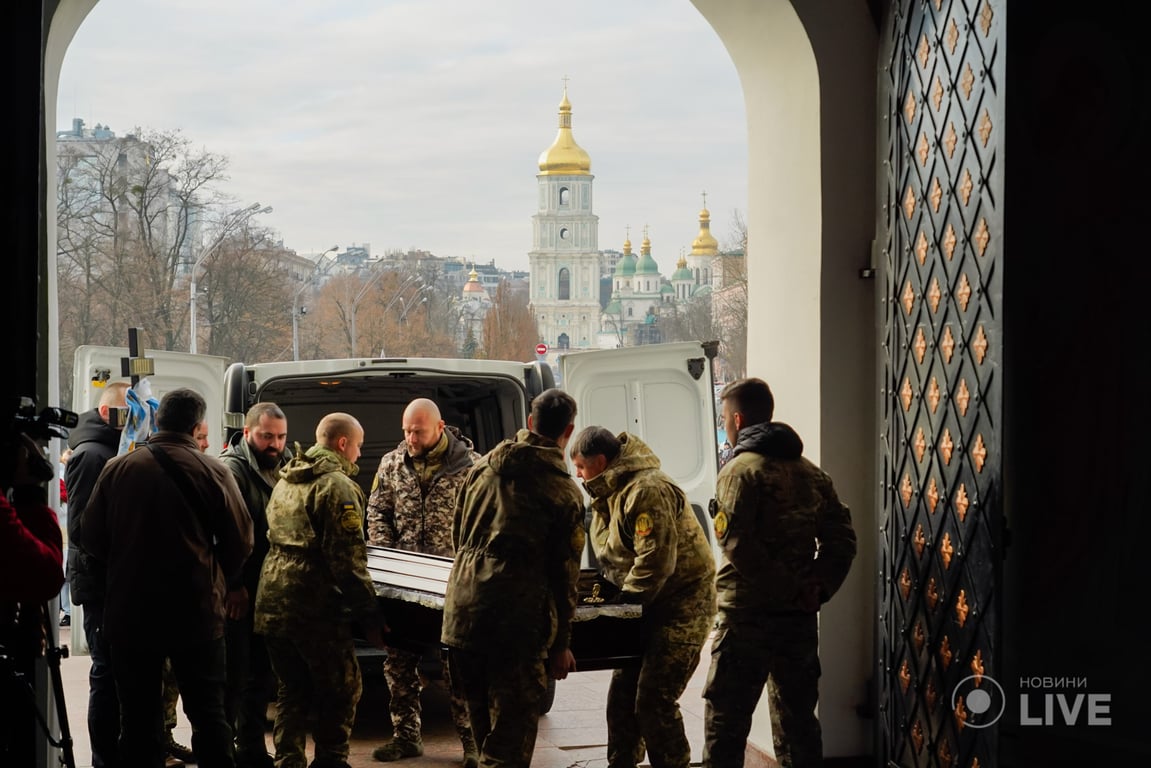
(171, 528)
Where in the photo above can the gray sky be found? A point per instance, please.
(419, 124)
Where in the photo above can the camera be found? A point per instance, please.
(50, 422)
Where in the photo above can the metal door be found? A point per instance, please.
(940, 230)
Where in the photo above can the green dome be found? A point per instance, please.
(626, 266)
(647, 265)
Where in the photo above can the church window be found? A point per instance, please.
(564, 233)
(565, 285)
(629, 313)
(565, 196)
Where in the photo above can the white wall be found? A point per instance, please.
(811, 327)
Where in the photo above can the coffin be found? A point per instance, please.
(411, 587)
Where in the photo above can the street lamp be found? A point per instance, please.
(405, 308)
(364, 290)
(238, 217)
(296, 301)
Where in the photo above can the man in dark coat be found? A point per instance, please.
(254, 458)
(170, 528)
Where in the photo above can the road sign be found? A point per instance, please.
(541, 348)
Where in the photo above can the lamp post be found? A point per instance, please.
(237, 218)
(296, 301)
(364, 290)
(405, 308)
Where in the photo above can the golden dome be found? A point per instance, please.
(704, 244)
(473, 285)
(564, 157)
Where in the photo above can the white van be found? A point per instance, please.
(663, 393)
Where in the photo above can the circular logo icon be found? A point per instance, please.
(982, 700)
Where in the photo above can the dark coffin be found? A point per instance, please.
(411, 587)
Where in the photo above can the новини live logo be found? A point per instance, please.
(980, 701)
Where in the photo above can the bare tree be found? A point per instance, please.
(247, 299)
(130, 212)
(729, 302)
(510, 329)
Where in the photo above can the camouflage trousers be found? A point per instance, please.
(503, 695)
(402, 673)
(643, 702)
(171, 694)
(783, 653)
(320, 675)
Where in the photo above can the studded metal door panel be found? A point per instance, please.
(941, 232)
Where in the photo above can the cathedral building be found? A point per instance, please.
(565, 257)
(567, 265)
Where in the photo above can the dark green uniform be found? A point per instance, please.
(775, 512)
(649, 543)
(313, 585)
(512, 591)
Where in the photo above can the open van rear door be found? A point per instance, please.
(95, 366)
(662, 393)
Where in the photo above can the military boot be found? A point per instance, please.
(398, 749)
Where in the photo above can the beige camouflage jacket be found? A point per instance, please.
(401, 515)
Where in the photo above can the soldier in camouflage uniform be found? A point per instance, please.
(313, 586)
(512, 591)
(788, 545)
(411, 508)
(649, 543)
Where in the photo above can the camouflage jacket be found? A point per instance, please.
(648, 540)
(786, 537)
(238, 458)
(518, 533)
(401, 515)
(315, 578)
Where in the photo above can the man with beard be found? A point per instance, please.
(254, 458)
(411, 507)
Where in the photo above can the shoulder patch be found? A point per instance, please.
(643, 524)
(720, 523)
(350, 517)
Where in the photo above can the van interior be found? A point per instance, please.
(484, 409)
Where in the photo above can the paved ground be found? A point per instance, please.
(573, 733)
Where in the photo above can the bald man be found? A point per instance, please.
(313, 586)
(94, 440)
(411, 507)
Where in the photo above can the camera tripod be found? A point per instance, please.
(53, 653)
